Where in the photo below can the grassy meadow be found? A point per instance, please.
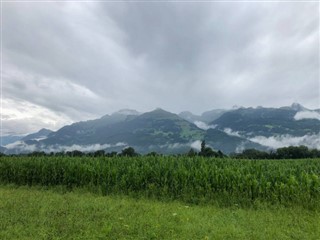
(34, 213)
(161, 197)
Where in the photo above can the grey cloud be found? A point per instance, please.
(307, 115)
(196, 145)
(24, 117)
(21, 146)
(84, 148)
(230, 132)
(240, 148)
(83, 60)
(70, 49)
(311, 141)
(203, 125)
(23, 126)
(171, 146)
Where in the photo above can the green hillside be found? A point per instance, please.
(267, 122)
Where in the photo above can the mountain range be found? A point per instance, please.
(230, 130)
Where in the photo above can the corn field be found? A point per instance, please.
(194, 180)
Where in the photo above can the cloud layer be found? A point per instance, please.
(307, 115)
(311, 141)
(21, 146)
(69, 61)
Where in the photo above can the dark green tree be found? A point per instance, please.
(99, 153)
(111, 154)
(129, 152)
(220, 154)
(207, 151)
(203, 146)
(153, 154)
(77, 153)
(191, 153)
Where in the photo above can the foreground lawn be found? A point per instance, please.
(31, 213)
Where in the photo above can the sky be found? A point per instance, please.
(64, 62)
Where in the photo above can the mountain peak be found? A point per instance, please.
(44, 131)
(186, 113)
(235, 107)
(297, 107)
(160, 110)
(159, 113)
(126, 112)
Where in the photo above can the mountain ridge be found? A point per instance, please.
(166, 132)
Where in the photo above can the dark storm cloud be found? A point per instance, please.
(83, 60)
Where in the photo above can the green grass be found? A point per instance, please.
(188, 133)
(34, 213)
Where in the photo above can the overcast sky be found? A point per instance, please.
(72, 61)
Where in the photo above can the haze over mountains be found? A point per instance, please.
(227, 130)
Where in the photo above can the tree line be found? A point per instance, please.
(291, 152)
